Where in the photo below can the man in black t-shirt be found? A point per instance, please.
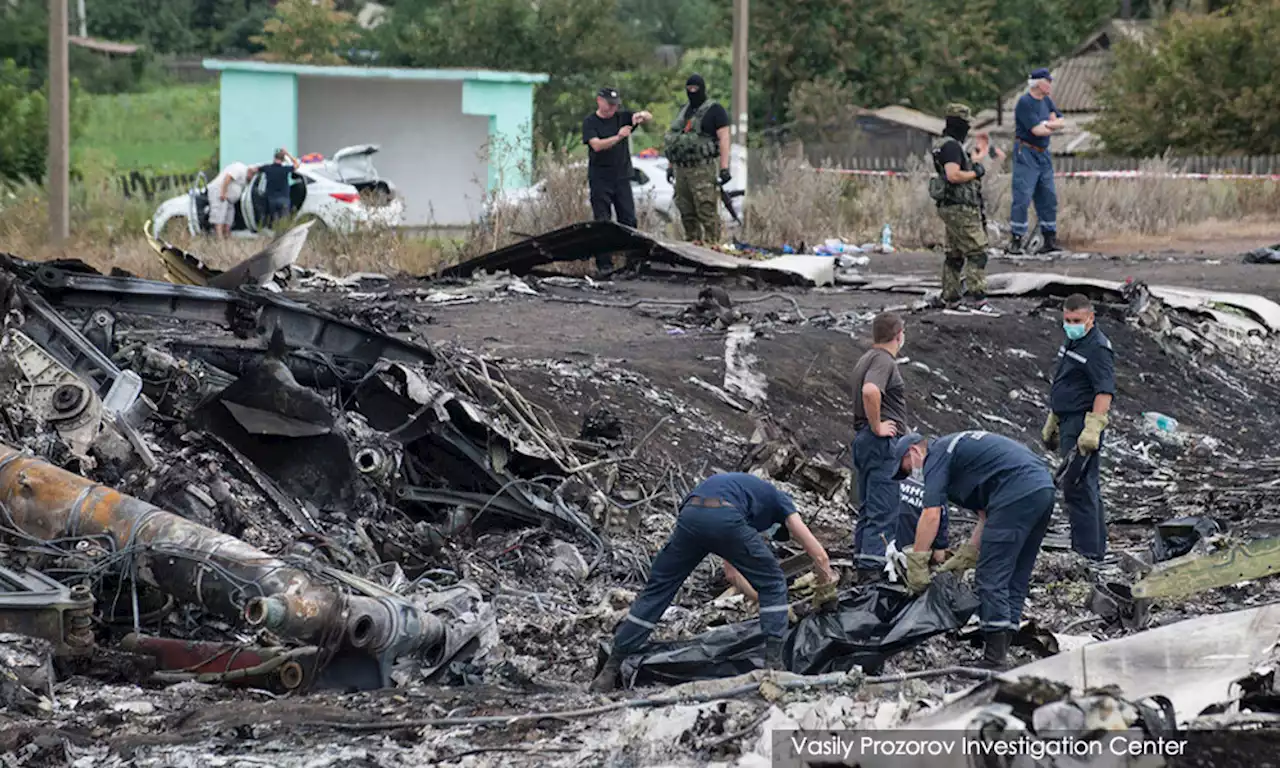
(606, 132)
(278, 175)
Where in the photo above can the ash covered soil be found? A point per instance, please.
(639, 367)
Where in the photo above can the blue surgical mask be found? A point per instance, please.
(1075, 332)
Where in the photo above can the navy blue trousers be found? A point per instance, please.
(878, 497)
(1009, 547)
(1083, 499)
(701, 531)
(1033, 181)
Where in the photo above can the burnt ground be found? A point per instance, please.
(636, 363)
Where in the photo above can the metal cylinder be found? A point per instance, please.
(201, 566)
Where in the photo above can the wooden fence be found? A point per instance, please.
(145, 185)
(1261, 165)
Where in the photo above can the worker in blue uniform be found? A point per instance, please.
(1080, 397)
(1012, 491)
(725, 515)
(910, 507)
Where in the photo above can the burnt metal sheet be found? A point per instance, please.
(585, 240)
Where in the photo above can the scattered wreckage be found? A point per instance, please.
(229, 486)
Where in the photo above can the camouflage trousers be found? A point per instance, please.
(698, 200)
(964, 268)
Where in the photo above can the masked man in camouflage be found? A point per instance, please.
(957, 190)
(696, 146)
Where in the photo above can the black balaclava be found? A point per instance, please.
(957, 128)
(696, 97)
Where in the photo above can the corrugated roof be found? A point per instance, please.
(912, 118)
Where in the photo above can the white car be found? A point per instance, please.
(649, 187)
(313, 193)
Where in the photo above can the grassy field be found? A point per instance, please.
(170, 130)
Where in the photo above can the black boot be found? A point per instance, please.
(773, 654)
(995, 649)
(1050, 243)
(1015, 245)
(607, 680)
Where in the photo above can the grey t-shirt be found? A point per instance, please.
(878, 367)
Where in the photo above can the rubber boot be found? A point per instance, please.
(1015, 246)
(773, 654)
(1050, 243)
(607, 680)
(995, 652)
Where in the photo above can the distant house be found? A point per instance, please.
(889, 134)
(1076, 79)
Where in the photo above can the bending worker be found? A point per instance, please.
(725, 515)
(879, 413)
(958, 194)
(1012, 490)
(1080, 399)
(695, 146)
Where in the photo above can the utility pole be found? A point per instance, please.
(84, 26)
(59, 159)
(741, 73)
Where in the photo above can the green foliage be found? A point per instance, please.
(1203, 85)
(921, 53)
(170, 130)
(688, 23)
(307, 32)
(24, 121)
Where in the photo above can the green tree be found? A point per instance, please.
(24, 124)
(687, 23)
(307, 32)
(1205, 84)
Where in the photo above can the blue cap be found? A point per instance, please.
(1041, 74)
(900, 448)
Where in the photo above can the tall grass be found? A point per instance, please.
(168, 130)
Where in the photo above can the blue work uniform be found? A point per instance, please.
(1086, 368)
(724, 515)
(988, 472)
(910, 508)
(1032, 167)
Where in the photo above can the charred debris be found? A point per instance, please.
(206, 481)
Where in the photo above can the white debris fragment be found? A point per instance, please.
(135, 707)
(739, 376)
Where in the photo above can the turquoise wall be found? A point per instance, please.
(259, 114)
(509, 107)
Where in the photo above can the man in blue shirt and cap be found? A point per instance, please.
(1084, 385)
(1012, 491)
(1035, 118)
(725, 515)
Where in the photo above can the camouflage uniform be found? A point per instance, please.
(960, 208)
(693, 156)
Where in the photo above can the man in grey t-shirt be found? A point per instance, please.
(879, 413)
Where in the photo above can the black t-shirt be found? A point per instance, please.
(277, 179)
(715, 119)
(952, 152)
(616, 160)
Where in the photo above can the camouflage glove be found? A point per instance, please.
(918, 575)
(965, 559)
(824, 597)
(1050, 432)
(1089, 439)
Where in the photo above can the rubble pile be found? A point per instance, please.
(270, 517)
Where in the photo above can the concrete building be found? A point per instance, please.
(448, 137)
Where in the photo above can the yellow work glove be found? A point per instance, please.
(824, 597)
(1050, 432)
(791, 616)
(918, 575)
(1089, 438)
(965, 559)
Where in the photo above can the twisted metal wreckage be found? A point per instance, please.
(404, 449)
